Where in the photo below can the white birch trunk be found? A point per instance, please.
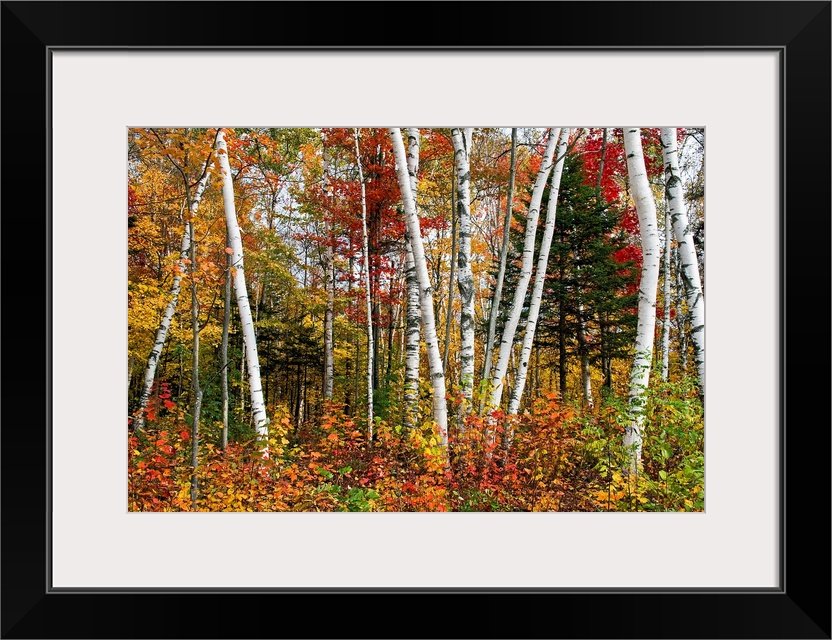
(465, 276)
(368, 291)
(650, 248)
(226, 322)
(666, 295)
(329, 285)
(539, 281)
(258, 407)
(498, 379)
(501, 271)
(414, 312)
(681, 317)
(437, 374)
(164, 325)
(197, 390)
(687, 250)
(586, 377)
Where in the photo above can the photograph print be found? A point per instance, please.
(416, 319)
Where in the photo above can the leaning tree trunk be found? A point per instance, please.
(437, 375)
(164, 326)
(643, 357)
(539, 282)
(498, 379)
(465, 276)
(329, 286)
(666, 301)
(258, 407)
(687, 250)
(414, 312)
(501, 271)
(368, 293)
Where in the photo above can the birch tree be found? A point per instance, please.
(539, 281)
(498, 379)
(195, 386)
(461, 139)
(414, 312)
(176, 286)
(687, 250)
(226, 321)
(329, 285)
(666, 297)
(368, 290)
(437, 374)
(258, 407)
(501, 270)
(650, 249)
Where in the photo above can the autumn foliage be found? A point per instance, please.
(560, 460)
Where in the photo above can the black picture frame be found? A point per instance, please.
(800, 608)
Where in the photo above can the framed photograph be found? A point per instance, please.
(79, 561)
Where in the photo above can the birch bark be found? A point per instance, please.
(368, 292)
(258, 407)
(414, 312)
(329, 285)
(668, 231)
(498, 379)
(226, 321)
(461, 139)
(437, 374)
(687, 250)
(648, 229)
(501, 270)
(539, 280)
(176, 286)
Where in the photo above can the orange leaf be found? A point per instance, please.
(229, 250)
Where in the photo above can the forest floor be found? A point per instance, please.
(561, 458)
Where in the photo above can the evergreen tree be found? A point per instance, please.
(588, 279)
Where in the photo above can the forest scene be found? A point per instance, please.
(416, 319)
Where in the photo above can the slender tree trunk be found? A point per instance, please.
(414, 311)
(494, 313)
(197, 390)
(601, 164)
(370, 336)
(666, 297)
(539, 281)
(498, 379)
(687, 250)
(449, 313)
(349, 386)
(329, 285)
(681, 318)
(465, 276)
(242, 374)
(258, 407)
(651, 253)
(226, 321)
(164, 325)
(562, 343)
(390, 328)
(586, 378)
(437, 375)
